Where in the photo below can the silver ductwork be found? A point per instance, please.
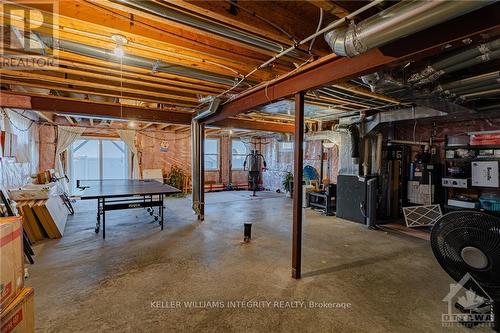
(132, 60)
(418, 112)
(207, 25)
(479, 94)
(473, 56)
(397, 21)
(470, 82)
(197, 141)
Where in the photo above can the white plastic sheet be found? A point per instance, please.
(15, 170)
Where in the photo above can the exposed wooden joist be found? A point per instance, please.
(332, 69)
(71, 106)
(330, 7)
(136, 73)
(60, 80)
(79, 23)
(147, 126)
(90, 91)
(70, 120)
(48, 117)
(105, 110)
(268, 126)
(365, 92)
(196, 33)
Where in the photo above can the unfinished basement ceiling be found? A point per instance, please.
(177, 55)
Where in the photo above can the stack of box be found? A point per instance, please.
(16, 301)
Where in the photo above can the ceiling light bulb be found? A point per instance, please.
(118, 51)
(131, 124)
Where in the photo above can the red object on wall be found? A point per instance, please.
(485, 139)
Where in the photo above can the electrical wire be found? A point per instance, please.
(32, 122)
(293, 47)
(277, 27)
(317, 29)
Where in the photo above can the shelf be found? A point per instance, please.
(449, 207)
(473, 147)
(473, 188)
(460, 208)
(475, 159)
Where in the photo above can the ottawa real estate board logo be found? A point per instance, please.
(468, 305)
(29, 35)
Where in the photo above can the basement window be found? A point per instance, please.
(211, 154)
(239, 152)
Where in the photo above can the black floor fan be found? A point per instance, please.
(469, 242)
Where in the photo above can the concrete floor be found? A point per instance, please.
(85, 284)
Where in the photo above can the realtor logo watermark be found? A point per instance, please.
(248, 304)
(468, 304)
(29, 34)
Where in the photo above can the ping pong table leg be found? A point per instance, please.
(103, 219)
(161, 210)
(98, 221)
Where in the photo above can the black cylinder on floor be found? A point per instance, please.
(247, 232)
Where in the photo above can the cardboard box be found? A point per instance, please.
(19, 316)
(11, 259)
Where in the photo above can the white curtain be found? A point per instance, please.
(66, 136)
(21, 147)
(22, 124)
(128, 136)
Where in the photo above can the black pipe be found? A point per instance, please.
(247, 233)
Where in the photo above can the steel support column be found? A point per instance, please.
(297, 186)
(201, 217)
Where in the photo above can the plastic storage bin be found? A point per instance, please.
(490, 203)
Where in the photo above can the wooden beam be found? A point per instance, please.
(15, 101)
(365, 92)
(70, 106)
(256, 125)
(330, 7)
(331, 69)
(162, 126)
(70, 120)
(170, 26)
(147, 126)
(60, 80)
(298, 158)
(106, 110)
(48, 117)
(78, 22)
(160, 77)
(91, 91)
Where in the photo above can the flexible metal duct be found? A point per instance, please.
(418, 112)
(471, 82)
(207, 25)
(473, 56)
(469, 90)
(331, 136)
(480, 94)
(400, 20)
(131, 60)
